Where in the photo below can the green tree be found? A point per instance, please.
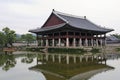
(29, 38)
(2, 39)
(9, 36)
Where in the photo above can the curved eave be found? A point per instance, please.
(47, 28)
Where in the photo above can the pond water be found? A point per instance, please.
(111, 74)
(17, 67)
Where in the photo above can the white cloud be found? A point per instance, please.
(28, 14)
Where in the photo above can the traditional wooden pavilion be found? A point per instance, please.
(66, 30)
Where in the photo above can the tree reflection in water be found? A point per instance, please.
(28, 58)
(7, 61)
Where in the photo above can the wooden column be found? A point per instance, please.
(74, 41)
(59, 40)
(92, 42)
(53, 43)
(105, 39)
(53, 40)
(46, 42)
(97, 40)
(67, 41)
(37, 40)
(86, 40)
(41, 40)
(80, 42)
(101, 40)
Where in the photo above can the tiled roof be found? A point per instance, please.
(80, 22)
(74, 21)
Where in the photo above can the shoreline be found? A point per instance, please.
(89, 74)
(48, 72)
(81, 76)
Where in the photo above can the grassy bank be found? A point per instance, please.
(66, 50)
(63, 50)
(34, 49)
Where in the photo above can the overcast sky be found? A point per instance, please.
(22, 15)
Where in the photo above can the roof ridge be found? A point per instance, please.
(70, 15)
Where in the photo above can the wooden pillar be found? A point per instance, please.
(37, 40)
(41, 42)
(67, 42)
(80, 42)
(46, 42)
(97, 40)
(74, 42)
(92, 42)
(86, 42)
(59, 41)
(53, 42)
(105, 39)
(101, 40)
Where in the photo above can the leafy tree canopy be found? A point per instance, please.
(7, 37)
(29, 38)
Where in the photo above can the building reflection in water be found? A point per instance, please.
(70, 58)
(68, 65)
